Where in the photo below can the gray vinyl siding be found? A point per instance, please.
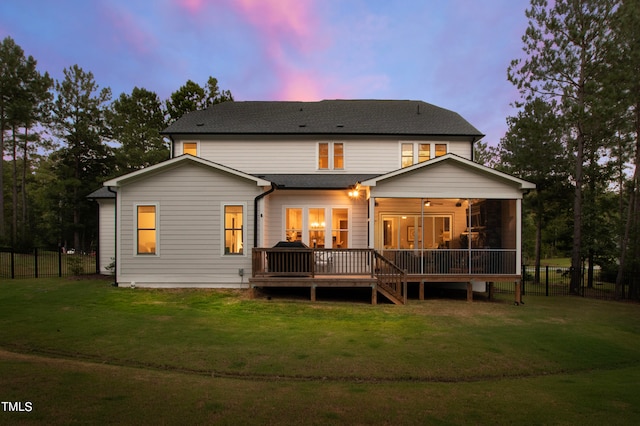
(446, 180)
(106, 233)
(190, 201)
(366, 154)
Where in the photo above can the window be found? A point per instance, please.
(407, 154)
(330, 156)
(338, 156)
(293, 224)
(424, 152)
(233, 229)
(414, 152)
(317, 227)
(190, 148)
(431, 231)
(340, 228)
(146, 229)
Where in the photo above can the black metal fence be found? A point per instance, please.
(41, 262)
(555, 281)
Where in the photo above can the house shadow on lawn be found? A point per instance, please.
(323, 294)
(361, 295)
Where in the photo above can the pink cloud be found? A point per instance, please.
(192, 6)
(280, 20)
(289, 32)
(129, 30)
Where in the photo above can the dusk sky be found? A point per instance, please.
(451, 53)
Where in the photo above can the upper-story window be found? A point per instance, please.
(330, 156)
(190, 148)
(417, 152)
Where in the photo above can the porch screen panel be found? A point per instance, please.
(146, 229)
(293, 224)
(233, 230)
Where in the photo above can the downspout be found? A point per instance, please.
(473, 140)
(115, 237)
(171, 145)
(255, 212)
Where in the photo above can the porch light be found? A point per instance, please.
(353, 193)
(427, 203)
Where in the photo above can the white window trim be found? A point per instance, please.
(416, 149)
(328, 214)
(135, 229)
(331, 165)
(244, 229)
(190, 141)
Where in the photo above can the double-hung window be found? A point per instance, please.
(146, 229)
(416, 152)
(233, 229)
(330, 156)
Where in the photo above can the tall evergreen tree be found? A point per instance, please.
(11, 57)
(623, 73)
(532, 149)
(83, 160)
(24, 103)
(565, 45)
(192, 97)
(136, 121)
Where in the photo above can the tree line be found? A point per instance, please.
(61, 139)
(576, 135)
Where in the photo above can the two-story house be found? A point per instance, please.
(372, 188)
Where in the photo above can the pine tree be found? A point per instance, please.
(136, 121)
(565, 46)
(83, 160)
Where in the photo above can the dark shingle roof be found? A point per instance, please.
(316, 181)
(356, 117)
(102, 192)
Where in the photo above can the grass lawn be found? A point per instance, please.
(81, 351)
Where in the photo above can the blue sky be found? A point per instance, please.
(451, 53)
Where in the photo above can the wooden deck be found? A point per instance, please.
(313, 268)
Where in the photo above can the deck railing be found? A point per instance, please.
(296, 262)
(292, 262)
(454, 261)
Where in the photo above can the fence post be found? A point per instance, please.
(59, 262)
(13, 263)
(546, 280)
(35, 260)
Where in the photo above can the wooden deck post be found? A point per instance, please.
(374, 294)
(421, 290)
(490, 290)
(313, 292)
(518, 293)
(470, 291)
